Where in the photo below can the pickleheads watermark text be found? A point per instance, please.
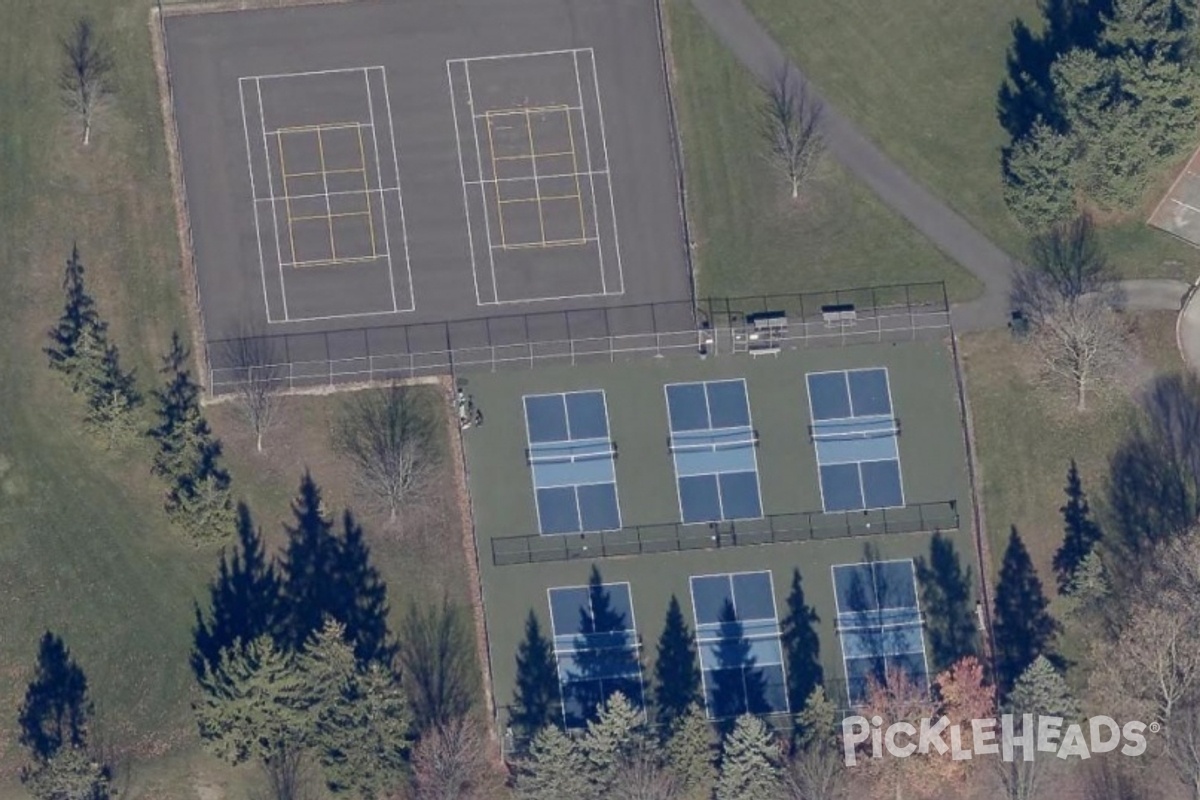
(1009, 736)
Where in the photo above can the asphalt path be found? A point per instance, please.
(750, 43)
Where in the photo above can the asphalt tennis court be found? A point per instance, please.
(1178, 212)
(364, 165)
(575, 470)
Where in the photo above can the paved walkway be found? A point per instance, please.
(750, 43)
(950, 232)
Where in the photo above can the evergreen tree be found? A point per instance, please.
(249, 709)
(1039, 183)
(1041, 690)
(815, 769)
(749, 763)
(537, 701)
(555, 769)
(79, 319)
(359, 718)
(71, 774)
(817, 720)
(198, 498)
(363, 744)
(616, 733)
(243, 600)
(1080, 531)
(946, 601)
(56, 709)
(691, 753)
(1024, 628)
(112, 400)
(181, 432)
(801, 645)
(1089, 585)
(327, 575)
(676, 674)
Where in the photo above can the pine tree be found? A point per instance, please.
(1041, 689)
(71, 774)
(676, 674)
(324, 574)
(112, 400)
(554, 770)
(363, 741)
(79, 319)
(801, 645)
(749, 763)
(249, 706)
(817, 719)
(1080, 531)
(691, 753)
(616, 733)
(243, 600)
(327, 664)
(815, 769)
(1024, 628)
(1039, 183)
(537, 700)
(198, 498)
(1089, 585)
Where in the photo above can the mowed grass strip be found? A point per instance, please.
(1026, 436)
(84, 546)
(85, 549)
(749, 236)
(921, 78)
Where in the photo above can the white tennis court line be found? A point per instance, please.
(777, 636)
(262, 269)
(463, 175)
(262, 120)
(518, 179)
(591, 172)
(387, 244)
(635, 647)
(272, 198)
(412, 292)
(487, 224)
(515, 112)
(1185, 205)
(612, 203)
(838, 613)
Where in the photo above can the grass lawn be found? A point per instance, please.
(84, 546)
(921, 78)
(749, 235)
(1026, 437)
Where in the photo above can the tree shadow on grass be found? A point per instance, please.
(1027, 92)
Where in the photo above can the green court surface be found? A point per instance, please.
(657, 555)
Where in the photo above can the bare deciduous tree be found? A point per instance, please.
(1084, 343)
(1066, 264)
(84, 79)
(816, 772)
(791, 122)
(641, 776)
(391, 436)
(1152, 668)
(450, 762)
(261, 381)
